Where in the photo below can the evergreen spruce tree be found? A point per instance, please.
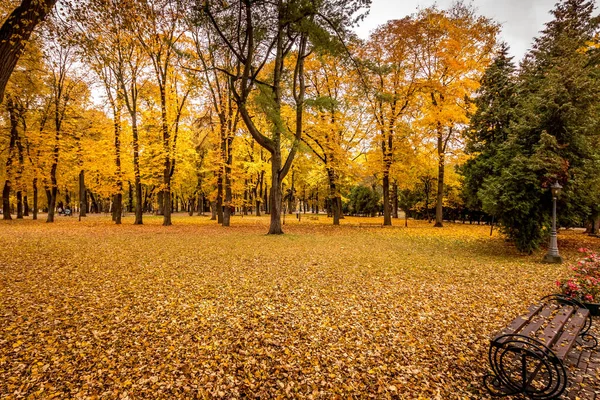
(490, 125)
(553, 136)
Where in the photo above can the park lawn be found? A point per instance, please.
(93, 310)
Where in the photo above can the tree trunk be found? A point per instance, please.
(219, 200)
(227, 208)
(55, 153)
(161, 203)
(136, 167)
(130, 197)
(6, 201)
(191, 206)
(213, 210)
(117, 208)
(51, 197)
(167, 200)
(82, 195)
(594, 223)
(35, 199)
(25, 206)
(439, 217)
(201, 204)
(15, 33)
(275, 198)
(395, 200)
(387, 215)
(427, 215)
(333, 203)
(14, 135)
(167, 162)
(228, 196)
(19, 205)
(118, 198)
(95, 208)
(266, 200)
(258, 192)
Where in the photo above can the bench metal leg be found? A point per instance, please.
(522, 365)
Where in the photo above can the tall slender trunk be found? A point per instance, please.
(266, 199)
(595, 225)
(132, 107)
(130, 197)
(191, 205)
(168, 161)
(51, 197)
(19, 205)
(219, 200)
(161, 203)
(118, 198)
(333, 195)
(228, 195)
(54, 184)
(387, 215)
(227, 207)
(25, 206)
(427, 214)
(439, 218)
(14, 134)
(94, 208)
(260, 192)
(82, 194)
(35, 198)
(276, 195)
(6, 200)
(395, 200)
(19, 176)
(117, 207)
(55, 156)
(201, 204)
(213, 210)
(387, 149)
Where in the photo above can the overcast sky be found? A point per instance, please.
(521, 19)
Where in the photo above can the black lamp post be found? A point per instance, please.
(552, 256)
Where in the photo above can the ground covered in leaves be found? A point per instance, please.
(93, 310)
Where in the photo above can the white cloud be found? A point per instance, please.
(521, 20)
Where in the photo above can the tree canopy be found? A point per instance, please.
(276, 106)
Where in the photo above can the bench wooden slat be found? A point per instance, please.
(531, 324)
(537, 322)
(555, 327)
(520, 321)
(569, 335)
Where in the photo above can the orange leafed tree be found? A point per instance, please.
(390, 84)
(455, 47)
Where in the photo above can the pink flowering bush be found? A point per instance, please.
(585, 283)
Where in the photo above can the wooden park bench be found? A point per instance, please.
(527, 357)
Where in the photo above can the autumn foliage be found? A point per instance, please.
(92, 309)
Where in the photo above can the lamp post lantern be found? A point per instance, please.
(552, 256)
